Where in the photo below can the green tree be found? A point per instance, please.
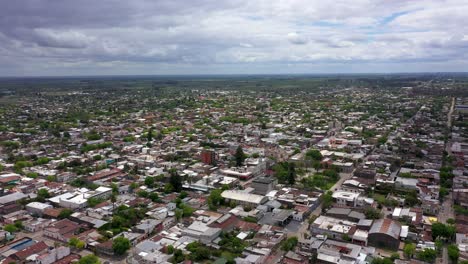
(409, 250)
(314, 154)
(142, 193)
(10, 228)
(154, 197)
(19, 224)
(291, 173)
(133, 186)
(372, 213)
(80, 244)
(89, 259)
(65, 213)
(453, 253)
(178, 256)
(215, 199)
(149, 181)
(442, 230)
(411, 198)
(239, 156)
(42, 194)
(150, 135)
(428, 255)
(175, 180)
(327, 199)
(289, 244)
(439, 245)
(170, 249)
(120, 245)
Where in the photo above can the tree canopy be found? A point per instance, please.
(120, 245)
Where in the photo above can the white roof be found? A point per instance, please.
(243, 196)
(404, 231)
(345, 195)
(39, 205)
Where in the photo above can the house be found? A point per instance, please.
(343, 198)
(385, 233)
(202, 232)
(62, 230)
(244, 198)
(263, 185)
(37, 208)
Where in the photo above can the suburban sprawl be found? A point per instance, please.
(249, 170)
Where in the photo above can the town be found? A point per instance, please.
(248, 170)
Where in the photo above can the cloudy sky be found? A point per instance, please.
(102, 37)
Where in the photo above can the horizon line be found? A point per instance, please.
(227, 74)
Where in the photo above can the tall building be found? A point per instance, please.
(208, 157)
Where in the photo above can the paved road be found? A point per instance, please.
(446, 210)
(450, 113)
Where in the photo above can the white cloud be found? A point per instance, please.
(236, 34)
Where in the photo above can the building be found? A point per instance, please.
(208, 157)
(244, 198)
(263, 185)
(62, 230)
(343, 198)
(37, 208)
(53, 255)
(460, 197)
(330, 226)
(202, 232)
(385, 233)
(79, 199)
(12, 198)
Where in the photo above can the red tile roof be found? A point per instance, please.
(34, 249)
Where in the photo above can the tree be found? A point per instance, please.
(10, 228)
(289, 244)
(178, 214)
(239, 156)
(42, 194)
(115, 189)
(314, 154)
(133, 186)
(175, 180)
(215, 199)
(80, 245)
(178, 256)
(441, 230)
(153, 196)
(170, 249)
(291, 173)
(428, 255)
(19, 224)
(89, 259)
(142, 193)
(150, 135)
(439, 245)
(149, 181)
(120, 245)
(372, 213)
(453, 253)
(409, 250)
(65, 213)
(327, 199)
(411, 198)
(76, 243)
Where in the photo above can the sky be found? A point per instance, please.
(161, 37)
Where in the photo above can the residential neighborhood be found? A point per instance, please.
(215, 171)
